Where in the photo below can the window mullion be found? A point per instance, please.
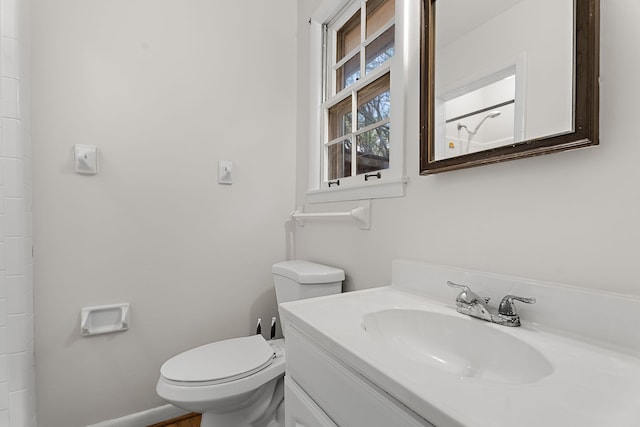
(354, 128)
(372, 126)
(379, 32)
(363, 82)
(347, 58)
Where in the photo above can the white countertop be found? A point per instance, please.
(591, 385)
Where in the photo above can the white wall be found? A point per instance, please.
(164, 89)
(571, 217)
(17, 388)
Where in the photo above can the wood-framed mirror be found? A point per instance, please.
(506, 79)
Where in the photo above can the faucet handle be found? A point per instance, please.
(466, 295)
(508, 308)
(455, 285)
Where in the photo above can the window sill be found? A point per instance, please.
(392, 187)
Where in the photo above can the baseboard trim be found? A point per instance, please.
(144, 418)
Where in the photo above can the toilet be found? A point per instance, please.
(239, 382)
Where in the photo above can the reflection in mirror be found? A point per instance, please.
(466, 116)
(503, 79)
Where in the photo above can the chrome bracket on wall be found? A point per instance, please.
(361, 214)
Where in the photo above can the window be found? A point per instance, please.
(370, 133)
(356, 140)
(359, 147)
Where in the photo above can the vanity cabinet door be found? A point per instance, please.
(349, 399)
(300, 410)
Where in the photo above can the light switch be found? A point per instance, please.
(85, 159)
(225, 169)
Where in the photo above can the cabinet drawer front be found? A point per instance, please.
(347, 397)
(301, 410)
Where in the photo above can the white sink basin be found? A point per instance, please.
(463, 347)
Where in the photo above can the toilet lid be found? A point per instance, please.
(221, 361)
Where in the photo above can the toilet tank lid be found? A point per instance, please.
(306, 272)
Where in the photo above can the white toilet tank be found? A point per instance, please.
(295, 280)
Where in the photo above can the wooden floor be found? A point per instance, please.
(189, 420)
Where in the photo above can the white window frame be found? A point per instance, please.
(393, 180)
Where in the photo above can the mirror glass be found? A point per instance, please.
(503, 73)
(504, 79)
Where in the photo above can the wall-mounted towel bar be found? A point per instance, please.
(361, 214)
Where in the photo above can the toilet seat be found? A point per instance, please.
(219, 362)
(199, 396)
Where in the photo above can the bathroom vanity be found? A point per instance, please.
(320, 389)
(402, 355)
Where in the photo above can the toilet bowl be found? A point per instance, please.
(234, 382)
(239, 382)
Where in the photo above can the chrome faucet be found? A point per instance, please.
(469, 303)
